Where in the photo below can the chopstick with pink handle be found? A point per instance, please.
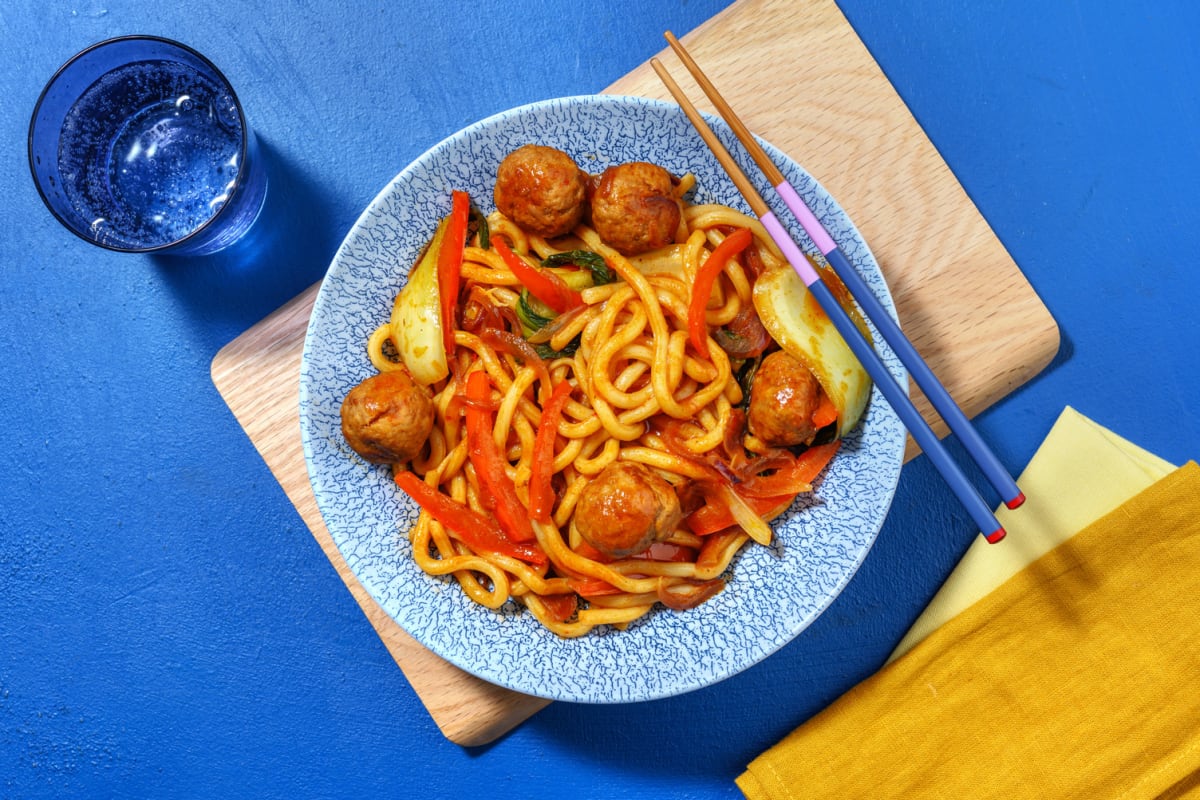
(895, 394)
(888, 328)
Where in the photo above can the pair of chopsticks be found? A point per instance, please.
(895, 395)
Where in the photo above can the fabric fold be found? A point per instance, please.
(1074, 676)
(1081, 471)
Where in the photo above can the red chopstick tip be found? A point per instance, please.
(1016, 501)
(995, 535)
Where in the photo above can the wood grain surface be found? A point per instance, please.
(963, 302)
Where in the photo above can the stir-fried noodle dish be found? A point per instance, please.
(599, 392)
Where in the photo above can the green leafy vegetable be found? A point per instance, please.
(548, 353)
(533, 313)
(592, 262)
(481, 227)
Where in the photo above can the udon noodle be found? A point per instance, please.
(536, 403)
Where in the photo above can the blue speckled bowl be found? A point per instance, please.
(773, 593)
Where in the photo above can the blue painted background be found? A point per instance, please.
(170, 628)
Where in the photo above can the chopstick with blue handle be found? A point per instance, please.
(924, 377)
(895, 395)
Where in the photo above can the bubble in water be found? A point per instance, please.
(151, 172)
(227, 111)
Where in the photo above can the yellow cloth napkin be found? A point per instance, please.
(1066, 670)
(1080, 473)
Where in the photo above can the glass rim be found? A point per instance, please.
(243, 150)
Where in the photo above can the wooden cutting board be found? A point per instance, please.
(964, 303)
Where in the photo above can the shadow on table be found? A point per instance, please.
(713, 733)
(288, 249)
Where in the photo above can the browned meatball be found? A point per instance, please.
(783, 397)
(626, 509)
(634, 209)
(541, 189)
(387, 417)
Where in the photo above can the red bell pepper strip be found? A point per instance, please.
(541, 493)
(666, 551)
(715, 515)
(768, 495)
(478, 531)
(541, 283)
(733, 244)
(587, 551)
(449, 265)
(592, 587)
(495, 485)
(797, 477)
(826, 413)
(560, 607)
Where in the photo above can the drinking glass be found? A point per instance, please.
(139, 144)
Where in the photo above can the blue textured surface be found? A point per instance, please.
(170, 628)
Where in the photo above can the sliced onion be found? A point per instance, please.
(479, 313)
(744, 515)
(547, 331)
(682, 596)
(744, 336)
(518, 347)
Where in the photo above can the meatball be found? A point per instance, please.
(634, 208)
(388, 417)
(541, 189)
(626, 509)
(783, 397)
